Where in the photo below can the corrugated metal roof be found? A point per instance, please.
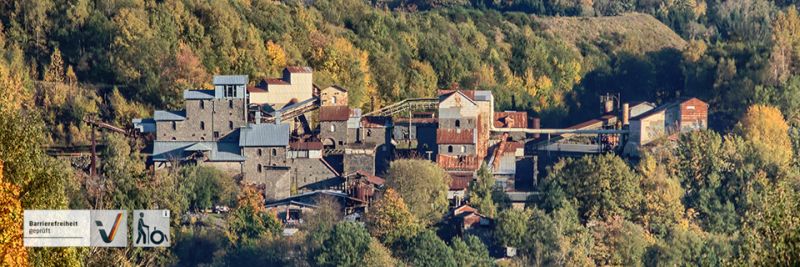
(230, 79)
(455, 136)
(468, 163)
(334, 113)
(264, 135)
(460, 180)
(145, 125)
(254, 89)
(176, 150)
(275, 81)
(166, 115)
(305, 145)
(375, 121)
(483, 95)
(198, 94)
(511, 119)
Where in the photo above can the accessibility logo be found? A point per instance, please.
(151, 228)
(109, 228)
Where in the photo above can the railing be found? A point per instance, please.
(405, 105)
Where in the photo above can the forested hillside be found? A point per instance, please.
(727, 196)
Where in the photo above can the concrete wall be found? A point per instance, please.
(464, 122)
(308, 171)
(300, 87)
(227, 112)
(458, 150)
(331, 96)
(252, 158)
(338, 135)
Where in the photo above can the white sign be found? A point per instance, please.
(56, 228)
(150, 228)
(109, 228)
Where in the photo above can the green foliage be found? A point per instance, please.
(557, 238)
(511, 227)
(423, 186)
(426, 249)
(209, 187)
(389, 219)
(346, 245)
(470, 252)
(481, 192)
(600, 186)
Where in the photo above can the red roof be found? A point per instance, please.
(460, 181)
(511, 119)
(253, 89)
(455, 136)
(464, 208)
(371, 178)
(334, 113)
(468, 163)
(374, 121)
(298, 145)
(275, 81)
(296, 69)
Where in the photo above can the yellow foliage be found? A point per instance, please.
(695, 50)
(12, 87)
(12, 252)
(276, 55)
(765, 127)
(390, 218)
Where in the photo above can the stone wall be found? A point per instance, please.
(339, 133)
(266, 158)
(228, 116)
(458, 150)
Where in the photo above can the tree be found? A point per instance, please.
(209, 186)
(12, 253)
(770, 233)
(481, 192)
(389, 219)
(423, 185)
(618, 242)
(378, 255)
(470, 252)
(346, 245)
(511, 227)
(250, 221)
(767, 131)
(784, 58)
(55, 71)
(427, 249)
(557, 239)
(600, 186)
(319, 223)
(661, 206)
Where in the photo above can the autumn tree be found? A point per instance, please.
(389, 219)
(661, 204)
(378, 255)
(12, 253)
(55, 71)
(250, 221)
(784, 58)
(423, 185)
(767, 131)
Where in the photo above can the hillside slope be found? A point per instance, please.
(631, 32)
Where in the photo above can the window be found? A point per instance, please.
(458, 123)
(333, 128)
(174, 126)
(202, 104)
(202, 125)
(216, 134)
(230, 91)
(333, 100)
(202, 138)
(463, 149)
(369, 132)
(274, 152)
(258, 152)
(258, 168)
(230, 125)
(173, 138)
(230, 103)
(449, 149)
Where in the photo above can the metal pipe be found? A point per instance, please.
(560, 131)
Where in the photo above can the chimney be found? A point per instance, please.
(626, 114)
(258, 115)
(537, 124)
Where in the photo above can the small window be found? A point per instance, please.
(230, 91)
(230, 103)
(202, 125)
(333, 100)
(258, 168)
(450, 149)
(463, 149)
(258, 152)
(274, 152)
(369, 132)
(202, 104)
(458, 123)
(202, 138)
(174, 126)
(216, 134)
(333, 128)
(173, 138)
(230, 125)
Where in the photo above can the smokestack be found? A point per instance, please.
(626, 114)
(537, 124)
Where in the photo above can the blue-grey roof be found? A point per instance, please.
(177, 150)
(483, 95)
(230, 79)
(145, 125)
(264, 135)
(166, 115)
(198, 94)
